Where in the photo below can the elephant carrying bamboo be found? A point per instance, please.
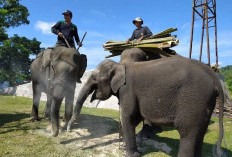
(55, 72)
(175, 91)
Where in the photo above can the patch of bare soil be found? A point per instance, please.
(100, 136)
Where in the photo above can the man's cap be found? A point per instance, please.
(138, 19)
(67, 12)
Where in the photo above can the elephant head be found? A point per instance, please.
(104, 82)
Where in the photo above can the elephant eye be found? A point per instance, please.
(104, 79)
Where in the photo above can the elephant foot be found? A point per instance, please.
(55, 130)
(63, 125)
(33, 119)
(134, 154)
(55, 133)
(47, 116)
(148, 131)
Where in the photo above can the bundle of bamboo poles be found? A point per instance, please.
(155, 43)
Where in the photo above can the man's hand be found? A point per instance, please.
(139, 40)
(127, 41)
(80, 44)
(60, 35)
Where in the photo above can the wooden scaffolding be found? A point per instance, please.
(204, 10)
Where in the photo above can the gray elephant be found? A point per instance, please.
(176, 92)
(132, 55)
(55, 72)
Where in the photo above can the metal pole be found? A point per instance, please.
(215, 23)
(202, 36)
(191, 38)
(207, 30)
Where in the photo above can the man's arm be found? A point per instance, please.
(76, 36)
(131, 38)
(148, 32)
(55, 29)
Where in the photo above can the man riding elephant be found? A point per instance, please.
(140, 32)
(66, 31)
(55, 72)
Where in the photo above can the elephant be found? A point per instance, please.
(177, 92)
(55, 73)
(131, 55)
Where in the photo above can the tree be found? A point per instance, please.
(227, 74)
(15, 57)
(15, 51)
(12, 13)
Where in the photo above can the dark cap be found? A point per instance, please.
(67, 12)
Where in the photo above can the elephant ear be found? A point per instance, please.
(119, 77)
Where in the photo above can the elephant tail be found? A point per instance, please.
(217, 150)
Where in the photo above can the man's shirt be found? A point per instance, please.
(143, 31)
(69, 31)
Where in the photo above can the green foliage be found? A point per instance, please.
(12, 13)
(15, 51)
(227, 74)
(20, 137)
(14, 57)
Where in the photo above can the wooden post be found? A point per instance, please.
(207, 30)
(215, 24)
(202, 38)
(191, 38)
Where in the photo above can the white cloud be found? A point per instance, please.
(45, 27)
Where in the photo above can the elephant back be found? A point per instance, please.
(43, 58)
(72, 57)
(69, 55)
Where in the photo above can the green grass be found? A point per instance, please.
(19, 136)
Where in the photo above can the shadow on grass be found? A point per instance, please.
(97, 127)
(8, 118)
(174, 145)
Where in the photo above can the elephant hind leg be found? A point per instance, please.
(36, 100)
(191, 139)
(48, 107)
(186, 148)
(200, 139)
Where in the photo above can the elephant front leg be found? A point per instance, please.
(69, 98)
(36, 99)
(128, 129)
(55, 109)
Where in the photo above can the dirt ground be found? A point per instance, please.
(100, 135)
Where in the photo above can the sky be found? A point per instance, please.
(106, 20)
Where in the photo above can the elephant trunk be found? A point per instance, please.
(85, 91)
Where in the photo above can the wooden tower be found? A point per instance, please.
(205, 11)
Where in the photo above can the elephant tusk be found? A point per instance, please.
(98, 103)
(70, 123)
